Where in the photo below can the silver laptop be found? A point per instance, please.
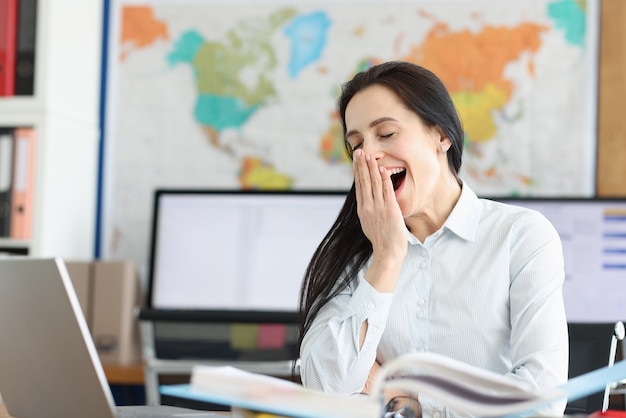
(49, 366)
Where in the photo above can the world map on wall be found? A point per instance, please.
(241, 95)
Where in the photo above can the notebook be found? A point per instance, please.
(49, 366)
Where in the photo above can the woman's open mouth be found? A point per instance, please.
(397, 177)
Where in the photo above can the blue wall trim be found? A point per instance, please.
(102, 125)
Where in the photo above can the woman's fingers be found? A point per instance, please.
(369, 178)
(360, 180)
(375, 178)
(388, 192)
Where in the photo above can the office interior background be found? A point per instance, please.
(205, 94)
(128, 97)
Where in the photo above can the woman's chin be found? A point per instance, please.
(403, 202)
(404, 209)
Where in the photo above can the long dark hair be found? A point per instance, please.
(345, 248)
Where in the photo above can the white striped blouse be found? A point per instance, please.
(485, 289)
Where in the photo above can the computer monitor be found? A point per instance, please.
(234, 253)
(240, 255)
(593, 234)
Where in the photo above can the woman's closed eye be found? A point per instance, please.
(358, 145)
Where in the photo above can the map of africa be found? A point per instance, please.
(241, 95)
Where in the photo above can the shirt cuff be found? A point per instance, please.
(368, 303)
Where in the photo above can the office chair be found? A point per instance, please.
(592, 346)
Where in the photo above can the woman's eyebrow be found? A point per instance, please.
(371, 125)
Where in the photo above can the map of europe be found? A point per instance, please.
(241, 95)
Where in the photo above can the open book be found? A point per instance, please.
(460, 386)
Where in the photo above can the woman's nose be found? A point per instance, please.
(372, 149)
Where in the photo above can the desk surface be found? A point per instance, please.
(5, 414)
(131, 374)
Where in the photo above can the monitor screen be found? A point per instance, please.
(593, 234)
(235, 251)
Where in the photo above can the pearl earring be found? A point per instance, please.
(443, 149)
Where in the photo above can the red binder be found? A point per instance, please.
(23, 183)
(8, 45)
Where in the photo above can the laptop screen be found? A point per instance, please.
(49, 366)
(593, 234)
(235, 251)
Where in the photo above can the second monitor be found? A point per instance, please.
(235, 251)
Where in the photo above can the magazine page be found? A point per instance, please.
(461, 386)
(231, 386)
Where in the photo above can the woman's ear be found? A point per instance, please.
(444, 141)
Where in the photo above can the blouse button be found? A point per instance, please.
(370, 306)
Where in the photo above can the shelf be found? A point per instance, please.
(13, 243)
(64, 111)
